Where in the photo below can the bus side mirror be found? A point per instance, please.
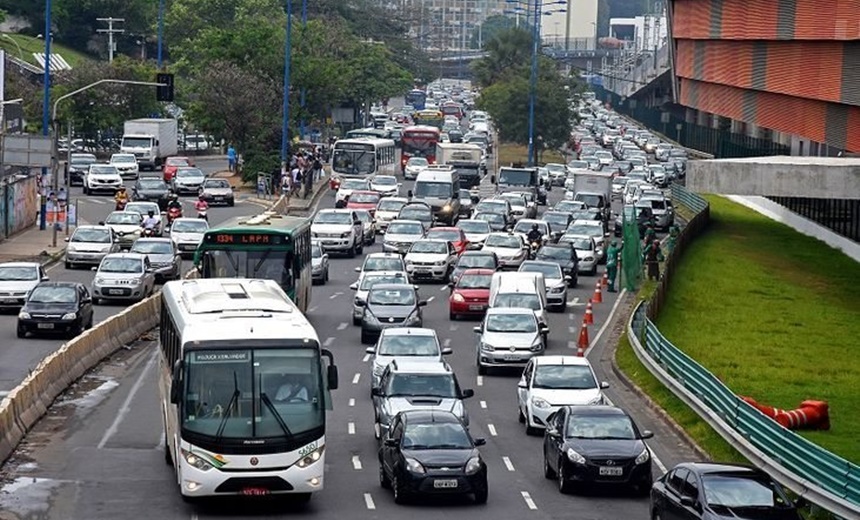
(331, 375)
(176, 384)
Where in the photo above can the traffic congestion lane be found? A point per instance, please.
(18, 356)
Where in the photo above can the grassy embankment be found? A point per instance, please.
(29, 45)
(515, 153)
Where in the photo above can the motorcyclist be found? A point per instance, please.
(150, 222)
(201, 206)
(173, 202)
(121, 198)
(534, 235)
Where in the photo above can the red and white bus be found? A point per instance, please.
(419, 141)
(452, 108)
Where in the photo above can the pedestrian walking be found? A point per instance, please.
(674, 232)
(231, 158)
(296, 180)
(652, 257)
(612, 254)
(650, 235)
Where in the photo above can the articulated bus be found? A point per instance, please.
(244, 389)
(419, 141)
(364, 157)
(268, 245)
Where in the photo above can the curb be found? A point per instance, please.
(311, 202)
(53, 258)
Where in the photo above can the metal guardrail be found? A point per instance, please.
(807, 469)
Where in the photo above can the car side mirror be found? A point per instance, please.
(552, 432)
(45, 278)
(477, 330)
(409, 194)
(492, 179)
(447, 351)
(604, 385)
(87, 299)
(176, 385)
(391, 443)
(688, 501)
(646, 434)
(422, 303)
(101, 222)
(370, 350)
(467, 393)
(480, 441)
(94, 268)
(376, 392)
(66, 239)
(354, 286)
(522, 383)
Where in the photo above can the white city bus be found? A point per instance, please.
(244, 389)
(364, 157)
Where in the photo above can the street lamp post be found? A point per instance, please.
(304, 90)
(288, 49)
(46, 105)
(160, 31)
(533, 83)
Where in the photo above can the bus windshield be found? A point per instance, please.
(419, 144)
(253, 393)
(270, 264)
(354, 162)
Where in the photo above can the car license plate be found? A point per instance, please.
(116, 292)
(445, 483)
(7, 300)
(218, 198)
(45, 325)
(254, 491)
(478, 307)
(511, 357)
(608, 471)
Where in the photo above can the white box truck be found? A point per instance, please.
(593, 188)
(466, 158)
(150, 140)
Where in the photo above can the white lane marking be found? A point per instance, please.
(430, 299)
(608, 321)
(342, 326)
(443, 288)
(571, 316)
(366, 358)
(447, 342)
(335, 295)
(572, 330)
(572, 344)
(312, 309)
(508, 463)
(368, 501)
(356, 378)
(350, 428)
(529, 502)
(454, 327)
(492, 429)
(328, 341)
(573, 303)
(352, 401)
(480, 380)
(126, 405)
(484, 405)
(657, 461)
(356, 462)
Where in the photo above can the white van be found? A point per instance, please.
(439, 187)
(520, 290)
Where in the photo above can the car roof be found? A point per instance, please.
(365, 192)
(153, 239)
(383, 255)
(336, 210)
(411, 366)
(596, 409)
(540, 262)
(406, 221)
(716, 467)
(429, 416)
(396, 199)
(510, 310)
(93, 226)
(444, 228)
(60, 283)
(408, 331)
(477, 253)
(393, 285)
(476, 271)
(20, 264)
(561, 360)
(134, 256)
(433, 240)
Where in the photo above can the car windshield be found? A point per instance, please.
(417, 161)
(216, 183)
(444, 234)
(364, 216)
(474, 226)
(189, 172)
(425, 385)
(586, 214)
(101, 169)
(100, 236)
(404, 228)
(515, 200)
(416, 213)
(554, 252)
(364, 198)
(492, 207)
(333, 217)
(355, 184)
(547, 270)
(152, 184)
(386, 263)
(155, 247)
(583, 229)
(577, 165)
(564, 377)
(511, 300)
(123, 159)
(385, 180)
(408, 345)
(10, 273)
(123, 218)
(435, 436)
(392, 296)
(428, 246)
(524, 227)
(433, 189)
(475, 281)
(590, 200)
(189, 226)
(494, 218)
(557, 220)
(511, 323)
(579, 243)
(568, 206)
(121, 265)
(142, 208)
(53, 294)
(484, 260)
(390, 205)
(83, 160)
(602, 426)
(504, 241)
(741, 491)
(177, 161)
(370, 280)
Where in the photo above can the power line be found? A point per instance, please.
(110, 32)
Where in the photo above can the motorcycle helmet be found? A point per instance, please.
(151, 213)
(200, 196)
(534, 227)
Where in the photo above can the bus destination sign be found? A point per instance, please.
(246, 239)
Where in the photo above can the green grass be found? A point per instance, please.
(774, 314)
(29, 45)
(516, 153)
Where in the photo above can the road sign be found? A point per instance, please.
(27, 150)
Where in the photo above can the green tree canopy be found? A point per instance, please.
(507, 54)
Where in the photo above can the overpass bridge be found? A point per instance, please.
(457, 63)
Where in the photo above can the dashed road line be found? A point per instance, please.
(343, 326)
(484, 405)
(529, 502)
(430, 299)
(572, 344)
(356, 378)
(328, 341)
(443, 288)
(447, 342)
(356, 463)
(508, 463)
(480, 380)
(572, 330)
(350, 428)
(351, 401)
(313, 309)
(335, 295)
(452, 328)
(366, 358)
(492, 429)
(368, 501)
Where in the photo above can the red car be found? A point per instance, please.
(470, 296)
(362, 199)
(171, 164)
(454, 235)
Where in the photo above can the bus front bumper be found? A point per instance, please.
(197, 483)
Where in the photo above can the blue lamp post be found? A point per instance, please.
(304, 90)
(160, 31)
(288, 48)
(46, 112)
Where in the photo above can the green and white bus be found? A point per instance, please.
(244, 389)
(269, 245)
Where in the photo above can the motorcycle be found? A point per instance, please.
(201, 213)
(148, 232)
(120, 204)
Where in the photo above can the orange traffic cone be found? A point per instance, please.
(589, 314)
(598, 295)
(582, 344)
(605, 280)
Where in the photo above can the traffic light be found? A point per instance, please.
(165, 92)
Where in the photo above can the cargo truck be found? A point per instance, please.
(466, 159)
(593, 188)
(150, 140)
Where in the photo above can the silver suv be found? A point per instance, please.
(406, 385)
(339, 230)
(404, 344)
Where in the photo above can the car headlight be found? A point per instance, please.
(100, 281)
(487, 347)
(414, 466)
(370, 319)
(105, 250)
(344, 235)
(643, 457)
(23, 315)
(69, 316)
(589, 259)
(473, 466)
(378, 369)
(196, 461)
(537, 402)
(575, 457)
(311, 457)
(457, 297)
(597, 400)
(406, 261)
(537, 346)
(411, 320)
(441, 262)
(557, 289)
(446, 208)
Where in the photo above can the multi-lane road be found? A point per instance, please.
(98, 454)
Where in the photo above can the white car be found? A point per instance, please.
(89, 245)
(431, 258)
(510, 248)
(385, 185)
(550, 382)
(349, 185)
(586, 252)
(126, 165)
(414, 166)
(102, 177)
(554, 280)
(125, 225)
(604, 157)
(387, 210)
(381, 262)
(519, 207)
(593, 228)
(339, 230)
(404, 344)
(17, 279)
(523, 227)
(187, 233)
(143, 208)
(476, 232)
(366, 280)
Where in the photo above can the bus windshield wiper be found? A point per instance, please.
(233, 400)
(280, 420)
(260, 262)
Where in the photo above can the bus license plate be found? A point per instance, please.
(254, 491)
(445, 483)
(611, 471)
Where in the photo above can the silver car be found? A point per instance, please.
(586, 252)
(188, 179)
(17, 279)
(217, 191)
(125, 225)
(387, 210)
(187, 233)
(508, 337)
(368, 226)
(89, 245)
(554, 280)
(319, 264)
(123, 276)
(163, 256)
(403, 344)
(401, 234)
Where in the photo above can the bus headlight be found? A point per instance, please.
(311, 457)
(196, 461)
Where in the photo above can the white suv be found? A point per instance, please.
(339, 230)
(404, 344)
(102, 177)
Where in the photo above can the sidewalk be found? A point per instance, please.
(33, 245)
(294, 203)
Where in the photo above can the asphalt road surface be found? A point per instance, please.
(98, 454)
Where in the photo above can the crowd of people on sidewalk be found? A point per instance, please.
(305, 167)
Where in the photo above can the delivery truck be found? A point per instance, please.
(466, 159)
(150, 140)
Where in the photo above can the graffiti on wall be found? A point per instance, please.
(3, 233)
(20, 205)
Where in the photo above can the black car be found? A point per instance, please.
(707, 491)
(56, 307)
(564, 255)
(558, 222)
(151, 189)
(474, 260)
(79, 164)
(455, 136)
(596, 444)
(389, 305)
(431, 453)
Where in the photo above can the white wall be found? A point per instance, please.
(582, 14)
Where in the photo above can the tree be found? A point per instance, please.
(508, 52)
(493, 26)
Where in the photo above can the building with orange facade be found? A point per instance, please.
(780, 70)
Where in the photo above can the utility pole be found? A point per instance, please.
(110, 32)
